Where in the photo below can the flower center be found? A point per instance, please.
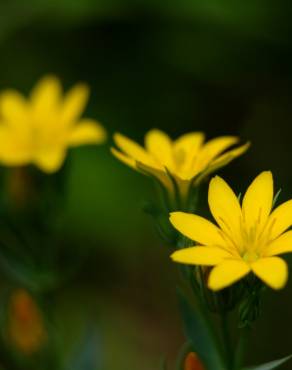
(250, 256)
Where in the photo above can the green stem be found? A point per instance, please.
(241, 348)
(227, 340)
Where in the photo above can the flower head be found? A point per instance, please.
(40, 129)
(248, 238)
(187, 159)
(26, 330)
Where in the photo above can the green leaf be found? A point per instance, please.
(198, 331)
(270, 365)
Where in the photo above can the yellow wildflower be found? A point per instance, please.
(188, 159)
(248, 238)
(192, 362)
(40, 129)
(26, 330)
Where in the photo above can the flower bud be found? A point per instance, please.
(25, 329)
(192, 362)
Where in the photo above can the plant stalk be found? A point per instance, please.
(227, 341)
(241, 348)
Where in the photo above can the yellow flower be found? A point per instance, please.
(40, 129)
(26, 330)
(248, 238)
(192, 362)
(188, 159)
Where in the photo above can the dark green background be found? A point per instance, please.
(224, 67)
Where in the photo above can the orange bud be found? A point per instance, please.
(26, 330)
(192, 362)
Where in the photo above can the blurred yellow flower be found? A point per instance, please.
(188, 159)
(248, 238)
(26, 330)
(39, 130)
(192, 362)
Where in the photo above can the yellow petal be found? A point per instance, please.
(221, 161)
(273, 271)
(215, 147)
(146, 170)
(186, 149)
(124, 158)
(14, 150)
(283, 244)
(225, 207)
(134, 150)
(257, 201)
(227, 273)
(74, 104)
(87, 131)
(190, 142)
(280, 219)
(50, 161)
(45, 98)
(157, 173)
(208, 256)
(196, 228)
(159, 145)
(228, 156)
(13, 108)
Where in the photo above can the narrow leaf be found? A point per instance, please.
(270, 365)
(199, 333)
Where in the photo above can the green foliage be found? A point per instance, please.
(250, 307)
(270, 365)
(199, 333)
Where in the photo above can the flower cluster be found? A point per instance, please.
(236, 256)
(247, 238)
(229, 261)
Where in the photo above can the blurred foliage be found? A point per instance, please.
(216, 65)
